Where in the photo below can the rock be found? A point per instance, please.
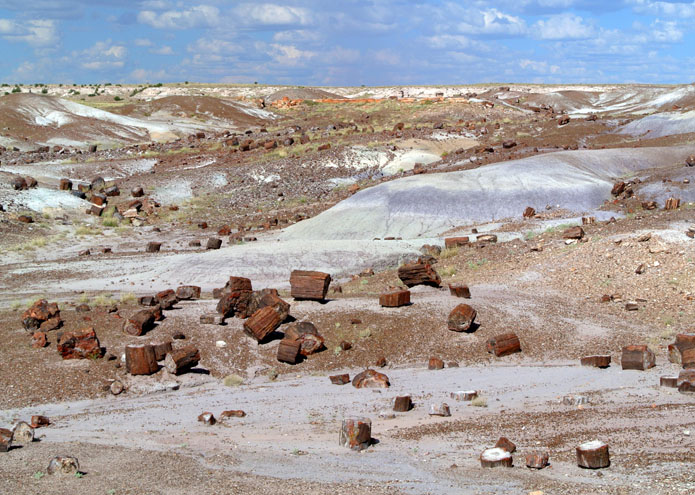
(537, 460)
(618, 188)
(310, 285)
(81, 344)
(637, 357)
(356, 433)
(212, 319)
(39, 340)
(505, 444)
(575, 232)
(307, 335)
(207, 418)
(403, 404)
(461, 318)
(503, 345)
(39, 312)
(139, 323)
(370, 379)
(137, 192)
(213, 243)
(529, 212)
(166, 299)
(460, 290)
(631, 306)
(345, 345)
(340, 379)
(508, 144)
(412, 274)
(454, 242)
(38, 421)
(435, 364)
(395, 299)
(440, 410)
(464, 395)
(63, 465)
(116, 387)
(598, 361)
(25, 219)
(153, 247)
(575, 400)
(593, 455)
(236, 413)
(19, 184)
(5, 439)
(496, 457)
(22, 434)
(188, 292)
(564, 120)
(690, 161)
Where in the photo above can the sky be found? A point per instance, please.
(347, 42)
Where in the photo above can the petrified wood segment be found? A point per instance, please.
(5, 439)
(186, 292)
(505, 444)
(453, 242)
(39, 313)
(503, 345)
(370, 379)
(460, 290)
(340, 379)
(495, 457)
(309, 285)
(682, 351)
(668, 381)
(403, 404)
(593, 455)
(537, 460)
(161, 349)
(262, 323)
(464, 395)
(597, 361)
(637, 357)
(356, 433)
(181, 360)
(461, 318)
(412, 274)
(81, 344)
(139, 323)
(63, 465)
(288, 351)
(167, 299)
(307, 335)
(440, 410)
(140, 359)
(395, 299)
(435, 364)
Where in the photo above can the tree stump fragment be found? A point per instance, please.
(140, 359)
(340, 379)
(503, 345)
(288, 351)
(403, 404)
(460, 290)
(593, 455)
(495, 457)
(309, 285)
(598, 361)
(395, 299)
(412, 274)
(356, 433)
(465, 395)
(262, 323)
(461, 318)
(182, 360)
(537, 460)
(505, 444)
(637, 357)
(370, 379)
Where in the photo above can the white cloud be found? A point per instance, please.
(296, 36)
(142, 75)
(102, 55)
(678, 10)
(40, 32)
(163, 50)
(492, 22)
(666, 32)
(563, 27)
(195, 17)
(142, 42)
(541, 67)
(270, 14)
(288, 55)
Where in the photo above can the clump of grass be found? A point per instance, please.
(365, 334)
(103, 300)
(474, 265)
(109, 222)
(16, 305)
(449, 253)
(272, 374)
(87, 230)
(447, 271)
(337, 350)
(479, 402)
(233, 380)
(128, 298)
(84, 298)
(529, 235)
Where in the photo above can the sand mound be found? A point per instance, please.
(206, 108)
(49, 120)
(302, 94)
(427, 205)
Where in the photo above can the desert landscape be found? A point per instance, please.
(249, 288)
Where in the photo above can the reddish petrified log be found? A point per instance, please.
(503, 345)
(340, 379)
(395, 299)
(262, 323)
(453, 242)
(403, 404)
(81, 344)
(505, 444)
(460, 290)
(597, 361)
(593, 455)
(307, 335)
(412, 274)
(140, 359)
(370, 379)
(181, 360)
(435, 364)
(495, 457)
(288, 351)
(356, 433)
(537, 460)
(309, 285)
(40, 312)
(461, 318)
(188, 292)
(637, 357)
(139, 323)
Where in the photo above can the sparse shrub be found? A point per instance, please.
(16, 89)
(233, 380)
(84, 298)
(479, 402)
(44, 91)
(109, 222)
(117, 98)
(103, 300)
(365, 334)
(449, 253)
(272, 374)
(448, 271)
(128, 298)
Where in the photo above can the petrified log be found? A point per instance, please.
(495, 457)
(381, 362)
(440, 410)
(575, 232)
(395, 299)
(483, 238)
(65, 185)
(503, 345)
(288, 351)
(464, 395)
(161, 349)
(262, 323)
(529, 212)
(537, 460)
(412, 274)
(234, 302)
(39, 421)
(618, 188)
(153, 247)
(5, 439)
(668, 381)
(435, 364)
(505, 444)
(147, 301)
(370, 379)
(598, 361)
(186, 292)
(207, 418)
(140, 359)
(460, 290)
(453, 242)
(356, 433)
(682, 350)
(63, 465)
(212, 319)
(461, 318)
(403, 404)
(265, 298)
(309, 285)
(593, 455)
(575, 400)
(340, 379)
(672, 204)
(81, 344)
(40, 312)
(39, 340)
(637, 357)
(307, 335)
(22, 433)
(238, 283)
(181, 360)
(213, 243)
(139, 323)
(235, 413)
(166, 299)
(116, 387)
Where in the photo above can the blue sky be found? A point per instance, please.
(347, 42)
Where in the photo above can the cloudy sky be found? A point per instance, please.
(347, 42)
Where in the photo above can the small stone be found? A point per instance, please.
(63, 465)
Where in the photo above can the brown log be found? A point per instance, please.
(593, 455)
(618, 188)
(684, 342)
(440, 410)
(5, 439)
(235, 413)
(234, 302)
(461, 318)
(212, 319)
(412, 274)
(39, 421)
(672, 204)
(486, 238)
(505, 444)
(262, 323)
(356, 433)
(340, 379)
(503, 345)
(395, 299)
(81, 344)
(454, 242)
(598, 361)
(403, 404)
(265, 298)
(239, 283)
(186, 292)
(213, 243)
(435, 364)
(575, 232)
(460, 290)
(288, 351)
(166, 299)
(307, 335)
(668, 381)
(309, 285)
(464, 395)
(139, 323)
(181, 360)
(529, 212)
(637, 357)
(140, 359)
(161, 349)
(22, 434)
(153, 247)
(381, 362)
(495, 457)
(370, 379)
(207, 418)
(537, 460)
(40, 312)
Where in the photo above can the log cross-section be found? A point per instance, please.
(309, 285)
(140, 359)
(637, 357)
(181, 360)
(356, 433)
(262, 323)
(593, 455)
(288, 351)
